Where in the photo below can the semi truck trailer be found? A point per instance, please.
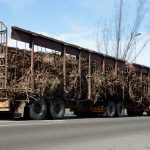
(47, 76)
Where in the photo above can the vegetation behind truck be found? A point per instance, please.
(49, 75)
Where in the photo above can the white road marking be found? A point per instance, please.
(30, 123)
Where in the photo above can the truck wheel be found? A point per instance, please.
(120, 109)
(57, 109)
(110, 110)
(38, 110)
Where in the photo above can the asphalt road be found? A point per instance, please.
(76, 134)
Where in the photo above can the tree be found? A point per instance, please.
(119, 37)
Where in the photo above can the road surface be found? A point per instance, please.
(76, 134)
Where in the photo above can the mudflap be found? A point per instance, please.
(18, 110)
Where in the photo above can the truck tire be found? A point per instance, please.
(120, 109)
(110, 110)
(38, 110)
(57, 109)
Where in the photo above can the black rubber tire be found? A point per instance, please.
(57, 109)
(111, 109)
(38, 110)
(120, 109)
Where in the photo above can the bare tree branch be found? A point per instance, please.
(118, 27)
(111, 38)
(135, 29)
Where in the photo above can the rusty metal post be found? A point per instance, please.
(89, 77)
(32, 66)
(80, 92)
(64, 68)
(130, 69)
(103, 65)
(3, 56)
(141, 78)
(6, 57)
(116, 66)
(149, 82)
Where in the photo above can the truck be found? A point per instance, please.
(47, 76)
